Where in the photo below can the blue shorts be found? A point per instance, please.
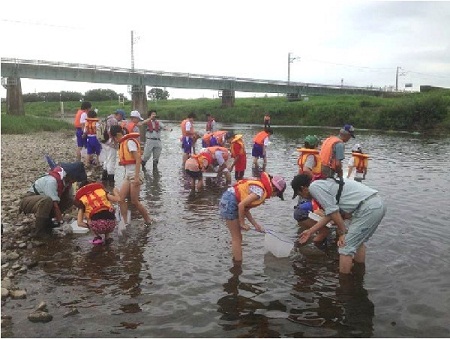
(364, 222)
(186, 145)
(213, 142)
(80, 141)
(228, 206)
(258, 151)
(93, 146)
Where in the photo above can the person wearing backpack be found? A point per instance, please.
(110, 147)
(356, 201)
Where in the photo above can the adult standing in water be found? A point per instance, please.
(357, 202)
(332, 152)
(153, 145)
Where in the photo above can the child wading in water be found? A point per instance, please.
(130, 159)
(237, 201)
(95, 206)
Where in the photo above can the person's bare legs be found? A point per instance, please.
(123, 205)
(79, 153)
(360, 256)
(236, 239)
(134, 195)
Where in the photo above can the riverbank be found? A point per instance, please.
(22, 163)
(412, 112)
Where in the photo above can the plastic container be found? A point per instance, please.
(278, 245)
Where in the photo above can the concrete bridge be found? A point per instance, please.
(15, 69)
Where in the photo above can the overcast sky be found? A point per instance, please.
(358, 42)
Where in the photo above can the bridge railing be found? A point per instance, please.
(104, 68)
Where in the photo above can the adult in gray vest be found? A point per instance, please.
(153, 145)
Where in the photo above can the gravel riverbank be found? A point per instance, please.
(22, 162)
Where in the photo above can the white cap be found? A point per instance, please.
(135, 114)
(356, 148)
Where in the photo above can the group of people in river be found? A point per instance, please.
(319, 183)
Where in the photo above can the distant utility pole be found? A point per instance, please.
(396, 77)
(290, 61)
(132, 50)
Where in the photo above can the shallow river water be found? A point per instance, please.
(176, 277)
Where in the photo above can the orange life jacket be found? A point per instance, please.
(241, 189)
(259, 138)
(94, 198)
(125, 156)
(185, 133)
(361, 161)
(304, 153)
(200, 159)
(219, 136)
(214, 149)
(207, 138)
(237, 140)
(128, 126)
(150, 128)
(91, 126)
(77, 122)
(327, 158)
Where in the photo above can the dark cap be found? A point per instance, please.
(74, 170)
(348, 129)
(300, 180)
(229, 135)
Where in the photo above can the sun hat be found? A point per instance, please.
(280, 184)
(348, 129)
(300, 180)
(136, 114)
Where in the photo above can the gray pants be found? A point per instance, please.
(152, 147)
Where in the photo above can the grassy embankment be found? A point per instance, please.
(421, 112)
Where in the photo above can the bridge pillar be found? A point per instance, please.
(228, 97)
(14, 99)
(139, 103)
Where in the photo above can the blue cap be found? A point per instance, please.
(302, 210)
(121, 112)
(348, 129)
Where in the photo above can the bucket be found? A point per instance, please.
(279, 246)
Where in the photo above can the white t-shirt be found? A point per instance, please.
(131, 168)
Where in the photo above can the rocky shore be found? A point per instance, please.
(22, 162)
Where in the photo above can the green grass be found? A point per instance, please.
(12, 124)
(423, 112)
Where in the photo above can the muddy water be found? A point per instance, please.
(176, 278)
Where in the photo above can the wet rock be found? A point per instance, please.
(6, 283)
(40, 317)
(12, 256)
(42, 307)
(18, 294)
(5, 293)
(71, 312)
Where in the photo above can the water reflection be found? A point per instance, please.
(174, 278)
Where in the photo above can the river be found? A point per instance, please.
(176, 277)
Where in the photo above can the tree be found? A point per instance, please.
(100, 95)
(158, 94)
